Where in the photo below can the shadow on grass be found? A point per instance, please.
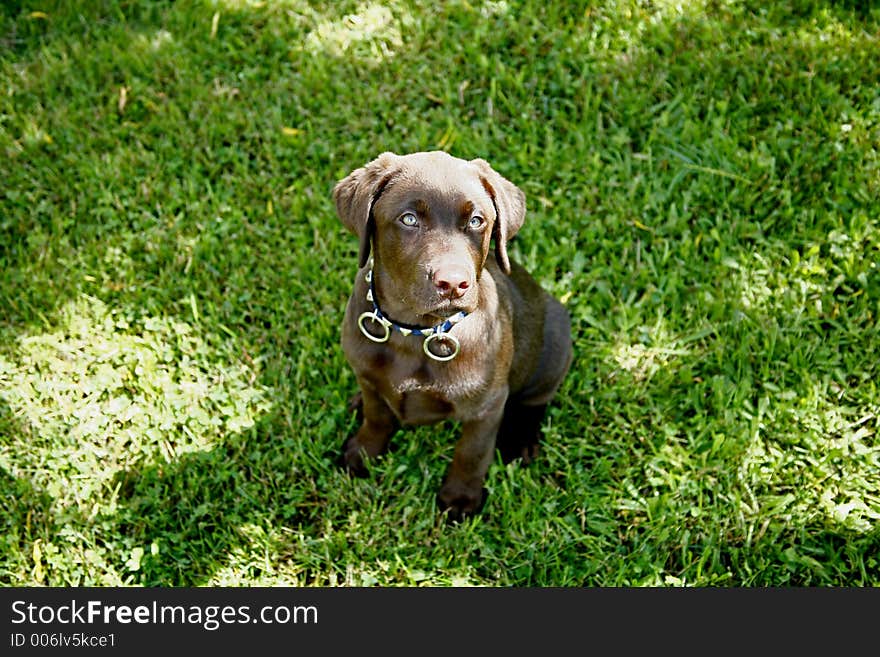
(205, 511)
(26, 516)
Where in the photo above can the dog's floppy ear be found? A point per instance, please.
(355, 195)
(510, 209)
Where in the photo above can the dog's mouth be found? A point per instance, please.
(446, 308)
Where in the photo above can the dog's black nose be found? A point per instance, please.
(451, 281)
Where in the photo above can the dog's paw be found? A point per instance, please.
(525, 451)
(458, 501)
(351, 458)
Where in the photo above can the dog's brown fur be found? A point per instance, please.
(515, 343)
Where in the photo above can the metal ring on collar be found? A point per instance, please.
(441, 336)
(382, 322)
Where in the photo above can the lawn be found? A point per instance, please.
(703, 185)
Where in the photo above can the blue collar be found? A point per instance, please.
(434, 333)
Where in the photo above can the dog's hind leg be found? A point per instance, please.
(520, 432)
(524, 412)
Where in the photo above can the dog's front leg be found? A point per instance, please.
(462, 493)
(371, 439)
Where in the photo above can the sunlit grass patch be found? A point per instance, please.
(371, 34)
(812, 458)
(652, 350)
(110, 390)
(816, 280)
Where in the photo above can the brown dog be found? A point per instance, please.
(435, 329)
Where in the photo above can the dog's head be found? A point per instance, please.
(430, 219)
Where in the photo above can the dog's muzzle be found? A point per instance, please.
(438, 334)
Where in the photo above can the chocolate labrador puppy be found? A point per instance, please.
(436, 329)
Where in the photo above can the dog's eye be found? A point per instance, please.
(476, 222)
(409, 219)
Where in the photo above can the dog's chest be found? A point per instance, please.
(415, 404)
(415, 395)
(418, 392)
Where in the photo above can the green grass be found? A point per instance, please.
(702, 179)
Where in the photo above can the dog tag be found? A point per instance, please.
(384, 323)
(441, 336)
